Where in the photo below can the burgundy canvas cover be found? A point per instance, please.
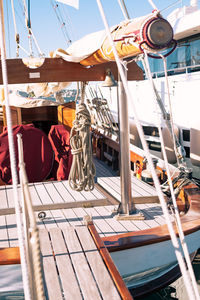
(59, 138)
(38, 154)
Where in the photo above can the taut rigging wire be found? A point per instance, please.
(61, 21)
(174, 239)
(175, 212)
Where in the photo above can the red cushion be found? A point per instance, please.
(59, 139)
(38, 154)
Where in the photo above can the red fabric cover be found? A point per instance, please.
(59, 139)
(38, 154)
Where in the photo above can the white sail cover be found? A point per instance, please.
(74, 3)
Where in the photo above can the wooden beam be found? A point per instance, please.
(59, 70)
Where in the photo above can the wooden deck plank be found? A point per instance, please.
(55, 196)
(12, 230)
(49, 220)
(34, 195)
(115, 183)
(141, 191)
(85, 278)
(59, 218)
(3, 233)
(102, 277)
(50, 273)
(74, 194)
(130, 225)
(108, 217)
(108, 188)
(71, 217)
(97, 194)
(61, 187)
(10, 198)
(43, 194)
(105, 228)
(67, 276)
(3, 198)
(88, 195)
(81, 212)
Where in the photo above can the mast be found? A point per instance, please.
(127, 206)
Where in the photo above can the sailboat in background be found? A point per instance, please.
(145, 258)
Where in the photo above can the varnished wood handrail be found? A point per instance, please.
(190, 223)
(9, 256)
(122, 289)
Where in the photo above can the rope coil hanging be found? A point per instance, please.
(82, 171)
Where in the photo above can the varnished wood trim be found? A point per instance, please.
(62, 205)
(190, 223)
(9, 256)
(59, 70)
(122, 289)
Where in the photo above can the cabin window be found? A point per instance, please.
(181, 60)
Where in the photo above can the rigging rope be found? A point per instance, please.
(30, 32)
(179, 151)
(61, 21)
(184, 181)
(82, 171)
(150, 162)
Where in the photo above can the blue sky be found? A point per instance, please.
(47, 28)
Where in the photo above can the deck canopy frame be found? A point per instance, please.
(59, 70)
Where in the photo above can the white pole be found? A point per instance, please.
(12, 160)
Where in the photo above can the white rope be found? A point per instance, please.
(36, 43)
(149, 159)
(13, 162)
(177, 216)
(169, 102)
(15, 27)
(31, 35)
(31, 230)
(16, 32)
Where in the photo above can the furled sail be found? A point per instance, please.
(151, 32)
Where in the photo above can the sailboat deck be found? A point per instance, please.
(73, 254)
(65, 207)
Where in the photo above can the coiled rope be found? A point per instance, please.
(82, 171)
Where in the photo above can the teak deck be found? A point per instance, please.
(65, 207)
(62, 233)
(83, 273)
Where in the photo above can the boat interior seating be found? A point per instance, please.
(59, 138)
(46, 157)
(38, 153)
